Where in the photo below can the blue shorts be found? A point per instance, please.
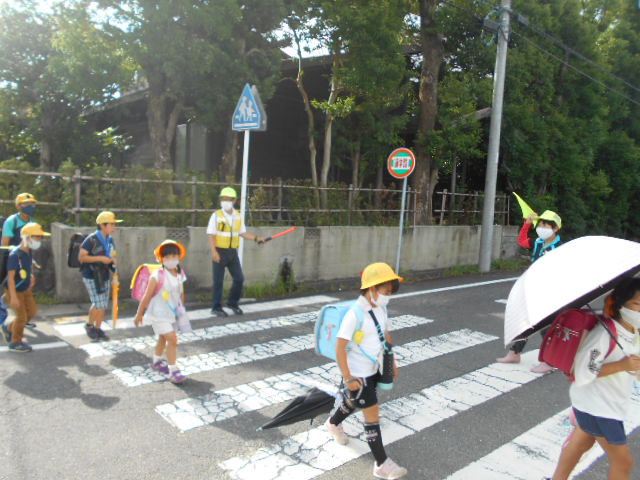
(612, 430)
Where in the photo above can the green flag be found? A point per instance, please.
(526, 209)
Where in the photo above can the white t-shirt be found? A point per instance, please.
(160, 306)
(212, 227)
(359, 364)
(609, 396)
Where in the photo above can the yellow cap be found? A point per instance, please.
(550, 216)
(228, 192)
(378, 273)
(106, 217)
(33, 229)
(158, 250)
(24, 198)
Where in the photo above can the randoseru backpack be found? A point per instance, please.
(4, 256)
(328, 325)
(141, 278)
(75, 243)
(565, 335)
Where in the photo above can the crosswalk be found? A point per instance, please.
(283, 330)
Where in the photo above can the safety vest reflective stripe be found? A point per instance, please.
(227, 236)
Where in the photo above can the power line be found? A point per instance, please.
(524, 21)
(542, 49)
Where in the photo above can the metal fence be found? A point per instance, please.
(75, 198)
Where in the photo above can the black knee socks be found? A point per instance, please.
(374, 439)
(341, 413)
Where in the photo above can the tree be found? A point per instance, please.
(195, 57)
(425, 177)
(45, 93)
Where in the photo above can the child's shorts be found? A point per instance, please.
(612, 430)
(369, 395)
(99, 300)
(162, 327)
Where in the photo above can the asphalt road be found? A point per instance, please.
(94, 411)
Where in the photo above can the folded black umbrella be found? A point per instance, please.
(305, 407)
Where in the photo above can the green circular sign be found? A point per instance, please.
(401, 163)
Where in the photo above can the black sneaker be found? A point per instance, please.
(101, 334)
(92, 332)
(6, 333)
(236, 309)
(30, 324)
(219, 312)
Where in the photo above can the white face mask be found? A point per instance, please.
(630, 316)
(171, 264)
(382, 300)
(34, 244)
(544, 232)
(226, 205)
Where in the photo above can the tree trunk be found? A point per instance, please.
(162, 119)
(46, 126)
(326, 152)
(229, 164)
(311, 122)
(356, 181)
(425, 177)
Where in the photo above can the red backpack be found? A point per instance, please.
(565, 335)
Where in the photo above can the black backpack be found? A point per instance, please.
(74, 250)
(4, 256)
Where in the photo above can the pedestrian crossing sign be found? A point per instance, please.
(249, 113)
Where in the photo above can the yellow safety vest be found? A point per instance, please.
(227, 236)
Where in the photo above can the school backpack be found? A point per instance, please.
(141, 278)
(565, 335)
(4, 256)
(74, 250)
(328, 325)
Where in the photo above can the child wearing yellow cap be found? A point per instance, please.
(163, 307)
(20, 282)
(97, 256)
(359, 366)
(26, 205)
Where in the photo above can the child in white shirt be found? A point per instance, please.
(163, 307)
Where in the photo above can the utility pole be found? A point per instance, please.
(488, 210)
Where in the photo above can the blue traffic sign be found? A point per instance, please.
(249, 113)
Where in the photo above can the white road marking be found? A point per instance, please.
(313, 452)
(77, 329)
(453, 287)
(40, 346)
(535, 453)
(143, 374)
(502, 300)
(114, 347)
(195, 412)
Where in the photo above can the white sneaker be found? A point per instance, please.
(337, 432)
(389, 470)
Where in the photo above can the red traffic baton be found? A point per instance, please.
(292, 229)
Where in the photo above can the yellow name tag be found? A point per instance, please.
(23, 274)
(165, 296)
(358, 337)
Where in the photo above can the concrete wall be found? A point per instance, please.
(314, 254)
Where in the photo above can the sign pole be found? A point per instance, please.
(248, 115)
(404, 196)
(243, 188)
(400, 165)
